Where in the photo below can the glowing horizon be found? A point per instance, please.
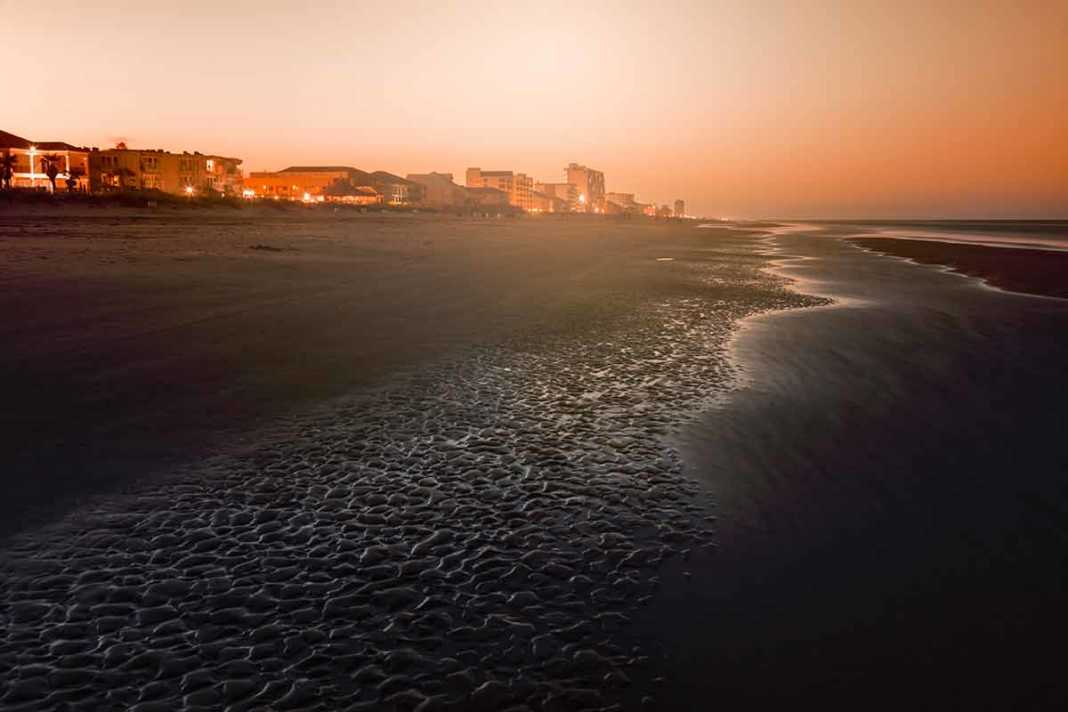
(811, 109)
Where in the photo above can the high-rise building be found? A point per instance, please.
(590, 187)
(680, 208)
(518, 186)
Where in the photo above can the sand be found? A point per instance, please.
(320, 461)
(1016, 269)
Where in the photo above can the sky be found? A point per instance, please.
(748, 109)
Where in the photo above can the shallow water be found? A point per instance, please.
(892, 492)
(1048, 235)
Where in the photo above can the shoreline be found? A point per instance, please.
(1017, 269)
(843, 546)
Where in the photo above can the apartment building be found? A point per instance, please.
(566, 192)
(518, 186)
(544, 203)
(589, 184)
(312, 182)
(439, 190)
(396, 190)
(123, 168)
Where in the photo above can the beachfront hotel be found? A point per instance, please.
(518, 186)
(589, 184)
(195, 174)
(440, 191)
(314, 183)
(83, 169)
(336, 184)
(30, 163)
(565, 192)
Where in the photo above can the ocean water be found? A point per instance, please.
(1039, 234)
(892, 492)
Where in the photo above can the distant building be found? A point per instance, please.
(312, 182)
(563, 191)
(621, 203)
(124, 168)
(223, 174)
(396, 190)
(680, 208)
(663, 212)
(487, 198)
(542, 203)
(626, 204)
(439, 190)
(344, 192)
(518, 186)
(590, 186)
(30, 169)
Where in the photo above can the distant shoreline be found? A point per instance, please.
(1016, 269)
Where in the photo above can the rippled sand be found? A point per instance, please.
(471, 533)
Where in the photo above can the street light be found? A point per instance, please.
(189, 191)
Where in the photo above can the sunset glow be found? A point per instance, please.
(747, 109)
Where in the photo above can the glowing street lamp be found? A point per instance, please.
(189, 191)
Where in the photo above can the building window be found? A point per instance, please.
(211, 164)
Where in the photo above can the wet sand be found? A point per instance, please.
(408, 463)
(425, 462)
(891, 496)
(136, 339)
(1016, 269)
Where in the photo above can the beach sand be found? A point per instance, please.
(301, 459)
(134, 337)
(1017, 269)
(386, 462)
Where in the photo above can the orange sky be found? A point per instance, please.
(745, 109)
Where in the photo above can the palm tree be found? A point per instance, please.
(51, 164)
(7, 169)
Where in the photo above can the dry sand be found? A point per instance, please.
(331, 461)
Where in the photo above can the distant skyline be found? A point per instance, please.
(742, 109)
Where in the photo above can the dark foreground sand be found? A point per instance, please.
(319, 461)
(1016, 269)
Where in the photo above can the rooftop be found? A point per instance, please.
(10, 140)
(319, 169)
